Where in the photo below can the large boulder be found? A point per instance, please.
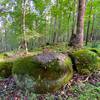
(43, 73)
(86, 61)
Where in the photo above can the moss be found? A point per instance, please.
(98, 59)
(95, 50)
(47, 77)
(3, 55)
(84, 71)
(86, 61)
(20, 63)
(6, 69)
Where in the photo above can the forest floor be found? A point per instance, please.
(81, 87)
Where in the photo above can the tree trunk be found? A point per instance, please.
(54, 34)
(5, 34)
(68, 34)
(89, 22)
(59, 29)
(87, 35)
(24, 26)
(77, 39)
(92, 30)
(50, 30)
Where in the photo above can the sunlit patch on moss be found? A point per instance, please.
(3, 56)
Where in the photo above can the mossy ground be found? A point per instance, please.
(6, 69)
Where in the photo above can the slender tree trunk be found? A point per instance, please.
(50, 30)
(55, 25)
(88, 27)
(24, 30)
(74, 24)
(68, 34)
(59, 29)
(3, 48)
(93, 34)
(87, 35)
(5, 40)
(77, 39)
(54, 34)
(92, 30)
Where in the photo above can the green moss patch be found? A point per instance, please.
(95, 50)
(6, 69)
(86, 61)
(46, 72)
(3, 56)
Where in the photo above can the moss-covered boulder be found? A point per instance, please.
(6, 68)
(95, 50)
(86, 61)
(43, 73)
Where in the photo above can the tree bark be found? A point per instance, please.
(54, 34)
(77, 39)
(68, 34)
(89, 22)
(92, 30)
(5, 34)
(24, 26)
(50, 30)
(87, 35)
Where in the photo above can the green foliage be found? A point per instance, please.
(86, 61)
(86, 91)
(45, 21)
